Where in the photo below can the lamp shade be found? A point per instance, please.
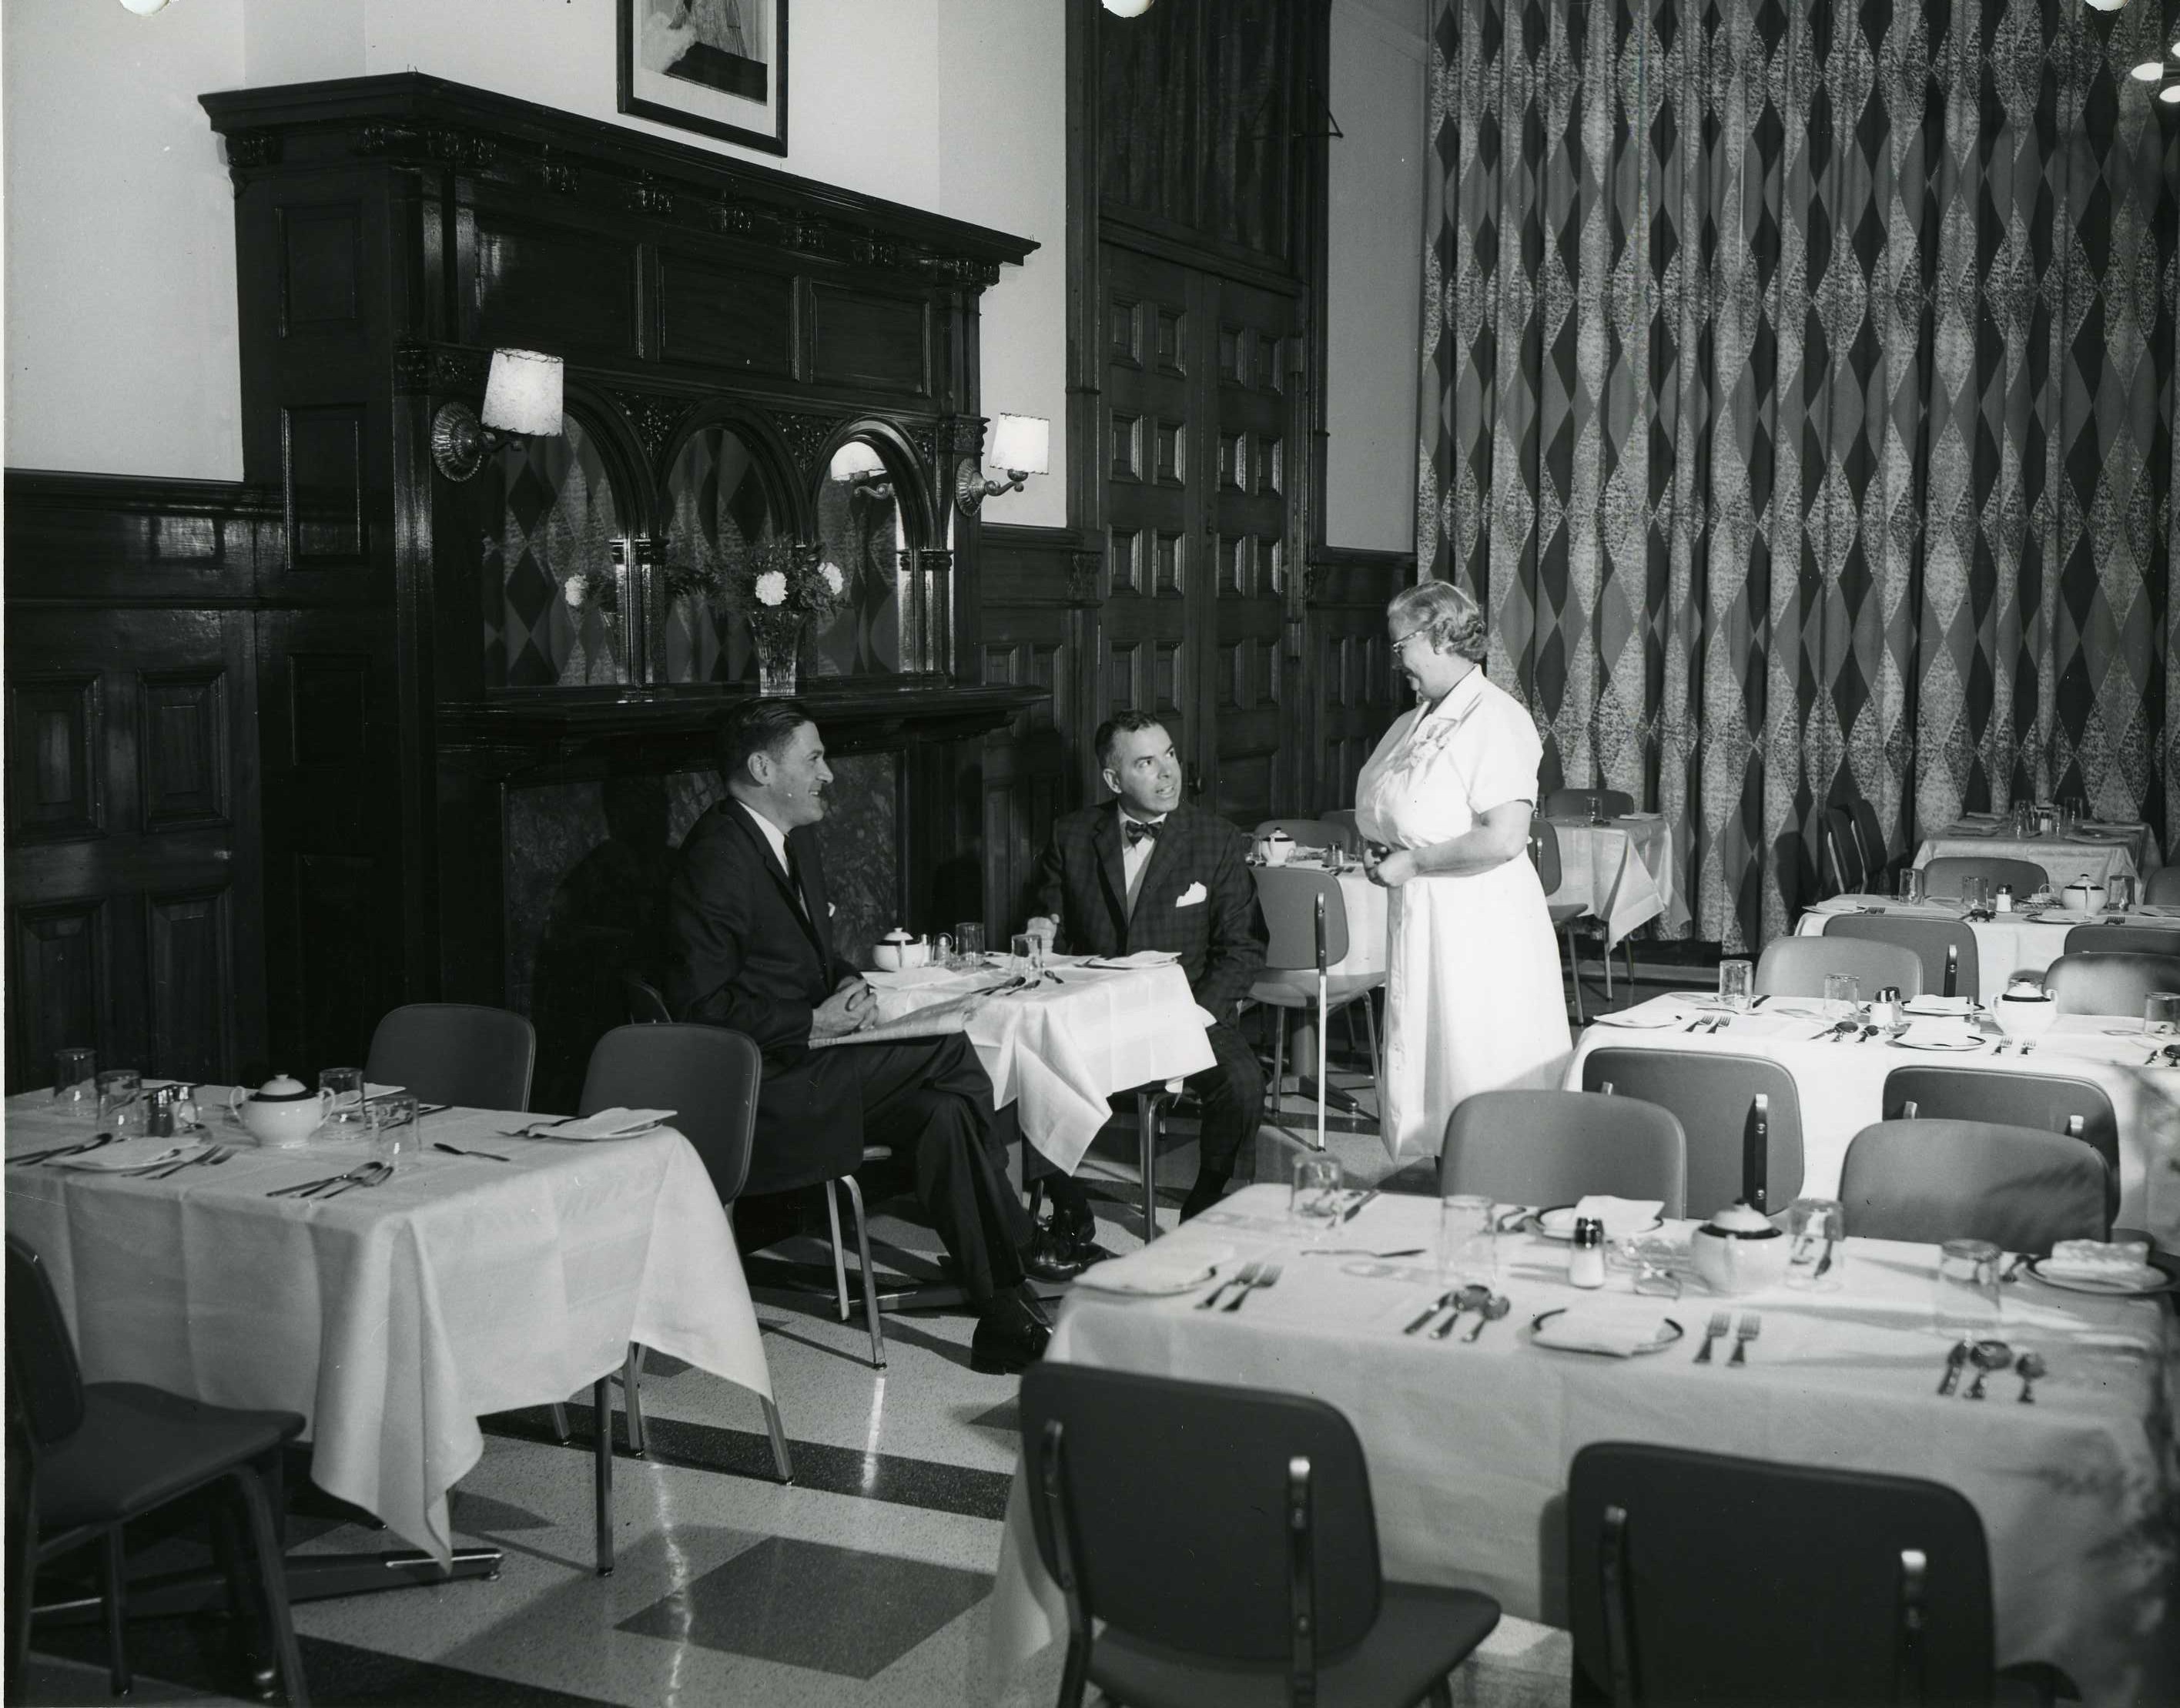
(1127, 8)
(2170, 95)
(856, 458)
(144, 8)
(522, 393)
(1022, 445)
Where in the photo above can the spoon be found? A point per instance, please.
(2028, 1370)
(1493, 1307)
(1987, 1356)
(1472, 1297)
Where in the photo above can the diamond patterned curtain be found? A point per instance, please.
(1798, 395)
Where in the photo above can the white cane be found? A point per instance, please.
(1323, 1017)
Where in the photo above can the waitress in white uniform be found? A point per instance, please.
(1473, 998)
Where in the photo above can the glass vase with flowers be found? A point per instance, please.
(779, 590)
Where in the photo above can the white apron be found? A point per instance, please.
(1473, 997)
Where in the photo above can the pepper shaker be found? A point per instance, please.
(1887, 1011)
(1586, 1261)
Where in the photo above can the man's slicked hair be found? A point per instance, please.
(1127, 723)
(755, 726)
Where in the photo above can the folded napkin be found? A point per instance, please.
(2120, 1264)
(131, 1152)
(1622, 1216)
(1940, 1034)
(1154, 1269)
(607, 1123)
(1598, 1328)
(1142, 957)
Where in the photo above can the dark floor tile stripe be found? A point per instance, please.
(927, 1484)
(193, 1653)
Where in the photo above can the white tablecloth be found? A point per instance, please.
(2068, 860)
(2008, 944)
(1061, 1050)
(1621, 873)
(1468, 1446)
(1841, 1086)
(391, 1318)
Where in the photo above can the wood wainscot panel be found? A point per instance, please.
(60, 988)
(554, 287)
(1355, 697)
(54, 731)
(862, 339)
(189, 948)
(741, 319)
(321, 250)
(78, 539)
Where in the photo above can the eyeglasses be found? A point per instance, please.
(1402, 639)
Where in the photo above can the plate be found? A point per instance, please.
(1656, 1346)
(1639, 1022)
(2164, 1283)
(1558, 1223)
(1943, 1045)
(1944, 1006)
(1152, 1286)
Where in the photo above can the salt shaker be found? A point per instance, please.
(1586, 1261)
(1887, 1011)
(2003, 903)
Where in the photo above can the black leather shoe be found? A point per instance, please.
(1009, 1338)
(1207, 1192)
(1077, 1230)
(1049, 1257)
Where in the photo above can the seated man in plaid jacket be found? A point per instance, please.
(1148, 872)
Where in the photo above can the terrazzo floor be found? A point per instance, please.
(865, 1582)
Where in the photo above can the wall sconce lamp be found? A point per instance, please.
(859, 467)
(1022, 445)
(521, 400)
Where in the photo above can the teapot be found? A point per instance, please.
(1276, 848)
(1738, 1251)
(2085, 897)
(281, 1112)
(2025, 1009)
(897, 950)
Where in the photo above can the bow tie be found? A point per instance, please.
(1137, 830)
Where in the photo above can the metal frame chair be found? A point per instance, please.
(1554, 1146)
(1947, 947)
(2162, 887)
(1926, 1182)
(1307, 917)
(1544, 855)
(1869, 839)
(2050, 1102)
(2120, 983)
(1612, 803)
(101, 1454)
(1728, 1105)
(1843, 851)
(1942, 876)
(1238, 1563)
(458, 1053)
(2101, 939)
(1799, 966)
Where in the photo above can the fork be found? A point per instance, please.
(217, 1153)
(1269, 1278)
(1752, 1324)
(1720, 1322)
(1245, 1277)
(370, 1173)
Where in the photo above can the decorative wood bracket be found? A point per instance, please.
(653, 416)
(806, 435)
(1085, 571)
(429, 367)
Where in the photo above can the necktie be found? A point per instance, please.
(1137, 830)
(794, 881)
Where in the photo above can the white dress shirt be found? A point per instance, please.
(776, 839)
(1136, 856)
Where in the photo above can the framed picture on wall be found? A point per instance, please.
(717, 66)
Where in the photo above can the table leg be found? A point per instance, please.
(1303, 1049)
(602, 1457)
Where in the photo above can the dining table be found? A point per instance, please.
(2022, 942)
(2090, 852)
(1469, 1438)
(1620, 870)
(1841, 1082)
(392, 1316)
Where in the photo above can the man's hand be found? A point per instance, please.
(850, 1008)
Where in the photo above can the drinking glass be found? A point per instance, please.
(346, 1110)
(2119, 892)
(1975, 894)
(1965, 1298)
(1816, 1228)
(395, 1132)
(1911, 883)
(1468, 1240)
(1319, 1194)
(121, 1110)
(75, 1084)
(1842, 993)
(1735, 980)
(1028, 953)
(1597, 809)
(969, 942)
(2160, 1014)
(2074, 807)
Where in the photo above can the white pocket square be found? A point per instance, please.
(1192, 896)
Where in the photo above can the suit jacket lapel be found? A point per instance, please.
(739, 815)
(1105, 846)
(1165, 857)
(806, 860)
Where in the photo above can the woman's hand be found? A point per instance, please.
(1395, 869)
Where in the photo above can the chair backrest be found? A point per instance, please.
(1714, 1097)
(646, 1003)
(1184, 1546)
(1289, 899)
(2052, 1103)
(1544, 852)
(1941, 943)
(2124, 939)
(707, 1075)
(2162, 886)
(1796, 965)
(1745, 1580)
(1614, 803)
(1555, 1146)
(2110, 983)
(1842, 852)
(1927, 1181)
(1340, 822)
(41, 1350)
(1870, 838)
(1942, 876)
(456, 1052)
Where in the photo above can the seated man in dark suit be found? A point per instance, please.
(1147, 872)
(749, 945)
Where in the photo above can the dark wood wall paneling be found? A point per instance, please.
(135, 909)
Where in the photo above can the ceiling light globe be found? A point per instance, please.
(1127, 8)
(2170, 95)
(144, 8)
(2150, 71)
(2106, 5)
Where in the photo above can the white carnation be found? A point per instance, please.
(771, 587)
(835, 583)
(571, 590)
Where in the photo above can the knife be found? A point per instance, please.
(1356, 1209)
(1955, 1360)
